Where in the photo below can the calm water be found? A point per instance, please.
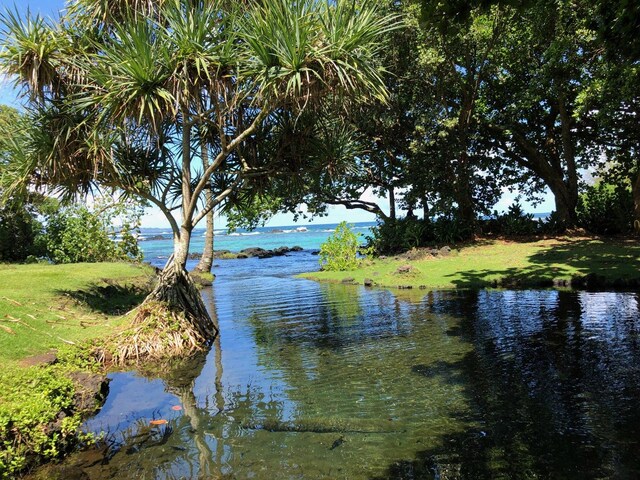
(310, 381)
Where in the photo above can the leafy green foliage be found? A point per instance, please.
(32, 400)
(410, 232)
(514, 222)
(77, 234)
(400, 235)
(340, 251)
(606, 209)
(19, 230)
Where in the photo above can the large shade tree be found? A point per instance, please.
(120, 92)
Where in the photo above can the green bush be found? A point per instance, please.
(340, 251)
(19, 230)
(406, 233)
(393, 236)
(76, 234)
(30, 404)
(449, 230)
(514, 222)
(606, 209)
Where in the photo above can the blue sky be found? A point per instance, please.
(155, 218)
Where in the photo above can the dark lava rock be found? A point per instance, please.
(278, 252)
(368, 282)
(155, 237)
(91, 391)
(254, 251)
(404, 269)
(348, 280)
(297, 248)
(405, 287)
(315, 252)
(242, 255)
(195, 256)
(277, 230)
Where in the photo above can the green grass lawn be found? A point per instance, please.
(44, 306)
(485, 262)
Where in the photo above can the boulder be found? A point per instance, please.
(254, 251)
(368, 282)
(445, 251)
(404, 269)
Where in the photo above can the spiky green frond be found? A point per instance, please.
(128, 77)
(31, 52)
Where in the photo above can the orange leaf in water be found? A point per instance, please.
(176, 408)
(162, 421)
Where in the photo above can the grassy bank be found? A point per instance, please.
(486, 263)
(45, 308)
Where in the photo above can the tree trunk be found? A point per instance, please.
(206, 261)
(635, 192)
(392, 203)
(176, 290)
(463, 193)
(566, 201)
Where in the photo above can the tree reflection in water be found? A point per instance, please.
(338, 381)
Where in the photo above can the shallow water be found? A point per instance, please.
(312, 380)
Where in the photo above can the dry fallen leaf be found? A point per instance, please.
(7, 329)
(161, 421)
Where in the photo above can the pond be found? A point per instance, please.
(311, 380)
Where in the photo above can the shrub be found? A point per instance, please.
(606, 209)
(451, 229)
(513, 222)
(340, 251)
(19, 230)
(76, 234)
(393, 236)
(31, 402)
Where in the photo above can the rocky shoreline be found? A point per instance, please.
(253, 252)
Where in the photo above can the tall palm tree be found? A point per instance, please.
(116, 88)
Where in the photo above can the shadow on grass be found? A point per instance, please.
(583, 263)
(110, 299)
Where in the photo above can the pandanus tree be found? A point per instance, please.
(119, 93)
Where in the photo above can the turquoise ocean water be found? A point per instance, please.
(157, 243)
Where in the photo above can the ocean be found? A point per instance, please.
(157, 243)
